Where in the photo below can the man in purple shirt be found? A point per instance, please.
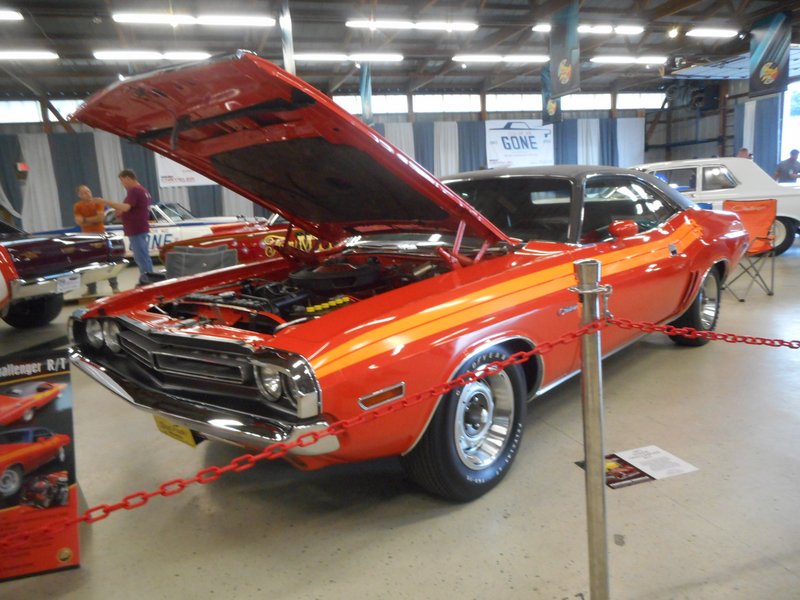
(134, 211)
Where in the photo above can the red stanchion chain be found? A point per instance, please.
(280, 449)
(694, 334)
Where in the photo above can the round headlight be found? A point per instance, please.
(94, 333)
(111, 335)
(269, 381)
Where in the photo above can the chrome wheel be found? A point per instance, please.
(28, 415)
(62, 454)
(779, 229)
(10, 481)
(483, 419)
(709, 303)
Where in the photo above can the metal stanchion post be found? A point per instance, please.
(589, 289)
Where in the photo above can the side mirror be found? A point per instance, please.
(623, 229)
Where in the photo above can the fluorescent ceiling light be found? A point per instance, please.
(602, 29)
(541, 27)
(181, 55)
(478, 58)
(628, 29)
(321, 57)
(629, 60)
(10, 15)
(153, 19)
(236, 20)
(497, 58)
(420, 25)
(27, 55)
(341, 57)
(709, 32)
(375, 57)
(124, 55)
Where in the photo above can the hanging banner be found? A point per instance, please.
(365, 90)
(519, 143)
(171, 174)
(565, 51)
(769, 55)
(37, 462)
(551, 107)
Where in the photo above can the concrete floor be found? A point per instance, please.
(727, 531)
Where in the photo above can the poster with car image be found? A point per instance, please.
(37, 462)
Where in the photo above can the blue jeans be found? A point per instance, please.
(141, 254)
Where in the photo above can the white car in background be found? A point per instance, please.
(170, 222)
(714, 180)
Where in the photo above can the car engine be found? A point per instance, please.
(263, 306)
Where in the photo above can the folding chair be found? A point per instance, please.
(758, 217)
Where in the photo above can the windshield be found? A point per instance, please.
(176, 212)
(17, 436)
(527, 208)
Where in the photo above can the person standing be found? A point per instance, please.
(787, 170)
(89, 213)
(134, 211)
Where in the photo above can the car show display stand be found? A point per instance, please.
(37, 462)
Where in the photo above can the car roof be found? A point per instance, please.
(694, 162)
(570, 171)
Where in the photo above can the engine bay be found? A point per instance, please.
(309, 291)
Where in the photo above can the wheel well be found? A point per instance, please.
(722, 270)
(532, 368)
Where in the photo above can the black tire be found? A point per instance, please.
(703, 312)
(785, 231)
(10, 481)
(474, 434)
(34, 312)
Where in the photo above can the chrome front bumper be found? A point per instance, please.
(247, 431)
(49, 284)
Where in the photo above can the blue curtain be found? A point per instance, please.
(423, 144)
(9, 157)
(609, 155)
(74, 164)
(143, 163)
(471, 145)
(766, 151)
(565, 142)
(205, 200)
(738, 127)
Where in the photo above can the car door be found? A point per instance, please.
(648, 270)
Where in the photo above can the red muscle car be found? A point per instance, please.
(22, 400)
(423, 281)
(25, 450)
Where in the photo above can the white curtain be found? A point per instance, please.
(401, 135)
(589, 141)
(445, 148)
(630, 141)
(234, 205)
(109, 163)
(749, 128)
(178, 195)
(40, 206)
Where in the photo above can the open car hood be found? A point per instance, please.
(265, 134)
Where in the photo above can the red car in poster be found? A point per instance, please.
(425, 280)
(22, 451)
(21, 401)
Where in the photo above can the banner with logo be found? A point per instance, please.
(551, 107)
(37, 462)
(769, 55)
(518, 143)
(565, 51)
(171, 174)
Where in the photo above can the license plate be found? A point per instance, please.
(175, 431)
(68, 283)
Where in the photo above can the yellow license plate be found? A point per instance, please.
(175, 431)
